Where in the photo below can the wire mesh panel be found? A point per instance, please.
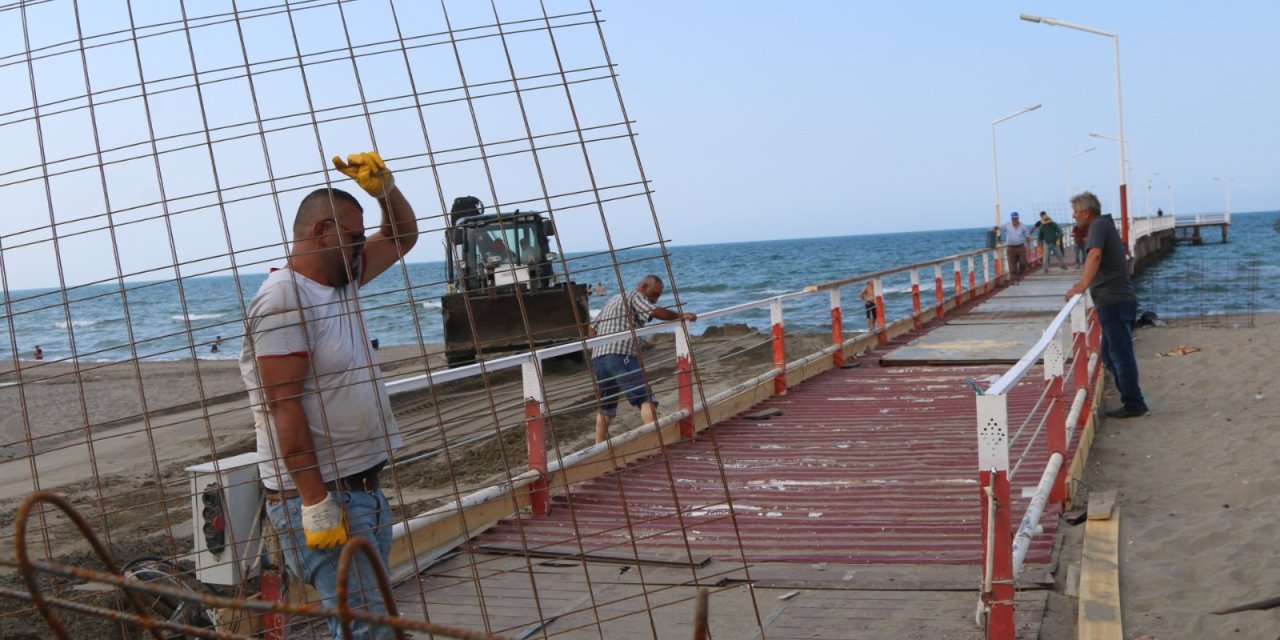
(158, 162)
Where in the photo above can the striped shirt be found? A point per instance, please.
(614, 319)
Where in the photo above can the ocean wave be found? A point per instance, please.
(62, 324)
(196, 316)
(431, 304)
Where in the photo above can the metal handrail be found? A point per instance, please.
(439, 376)
(1020, 368)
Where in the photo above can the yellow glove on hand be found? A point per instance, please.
(369, 171)
(324, 524)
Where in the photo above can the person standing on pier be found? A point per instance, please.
(322, 415)
(1016, 236)
(1079, 235)
(1106, 276)
(616, 364)
(1050, 236)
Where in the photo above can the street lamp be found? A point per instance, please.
(1124, 201)
(1173, 209)
(1226, 182)
(995, 165)
(1070, 188)
(1146, 202)
(1128, 168)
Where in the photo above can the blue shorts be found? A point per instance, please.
(616, 375)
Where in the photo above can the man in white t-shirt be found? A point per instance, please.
(323, 419)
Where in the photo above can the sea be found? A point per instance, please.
(173, 320)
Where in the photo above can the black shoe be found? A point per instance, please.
(1126, 412)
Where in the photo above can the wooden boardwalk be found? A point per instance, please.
(850, 512)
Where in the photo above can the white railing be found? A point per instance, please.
(532, 484)
(1148, 225)
(1191, 219)
(1004, 554)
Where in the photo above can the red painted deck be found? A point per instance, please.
(854, 513)
(865, 465)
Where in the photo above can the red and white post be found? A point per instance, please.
(274, 623)
(684, 380)
(959, 283)
(937, 285)
(915, 298)
(779, 347)
(878, 287)
(997, 537)
(973, 280)
(837, 329)
(539, 499)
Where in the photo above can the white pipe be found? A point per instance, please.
(1031, 519)
(1073, 416)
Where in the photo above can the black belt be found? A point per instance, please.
(362, 482)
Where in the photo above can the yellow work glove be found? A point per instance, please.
(324, 524)
(369, 171)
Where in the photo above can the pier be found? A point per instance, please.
(1189, 226)
(842, 497)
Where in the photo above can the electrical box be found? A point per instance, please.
(227, 511)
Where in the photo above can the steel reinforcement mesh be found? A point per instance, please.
(155, 155)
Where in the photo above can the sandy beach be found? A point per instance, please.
(1197, 499)
(197, 409)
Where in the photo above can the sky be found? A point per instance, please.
(753, 121)
(767, 119)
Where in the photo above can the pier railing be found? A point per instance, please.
(1073, 336)
(533, 487)
(1148, 225)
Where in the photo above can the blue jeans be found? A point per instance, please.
(368, 515)
(616, 375)
(1117, 351)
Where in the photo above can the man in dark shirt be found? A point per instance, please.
(1106, 275)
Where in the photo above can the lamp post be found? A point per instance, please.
(1172, 204)
(1128, 165)
(1124, 201)
(1226, 182)
(995, 164)
(1071, 189)
(1146, 202)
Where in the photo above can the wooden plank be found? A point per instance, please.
(1101, 503)
(1099, 611)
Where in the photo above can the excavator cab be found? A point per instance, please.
(503, 292)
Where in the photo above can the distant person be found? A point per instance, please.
(1016, 236)
(1050, 236)
(216, 343)
(600, 290)
(868, 296)
(39, 353)
(1079, 235)
(616, 364)
(323, 418)
(1106, 276)
(1159, 212)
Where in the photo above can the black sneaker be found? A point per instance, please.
(1126, 412)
